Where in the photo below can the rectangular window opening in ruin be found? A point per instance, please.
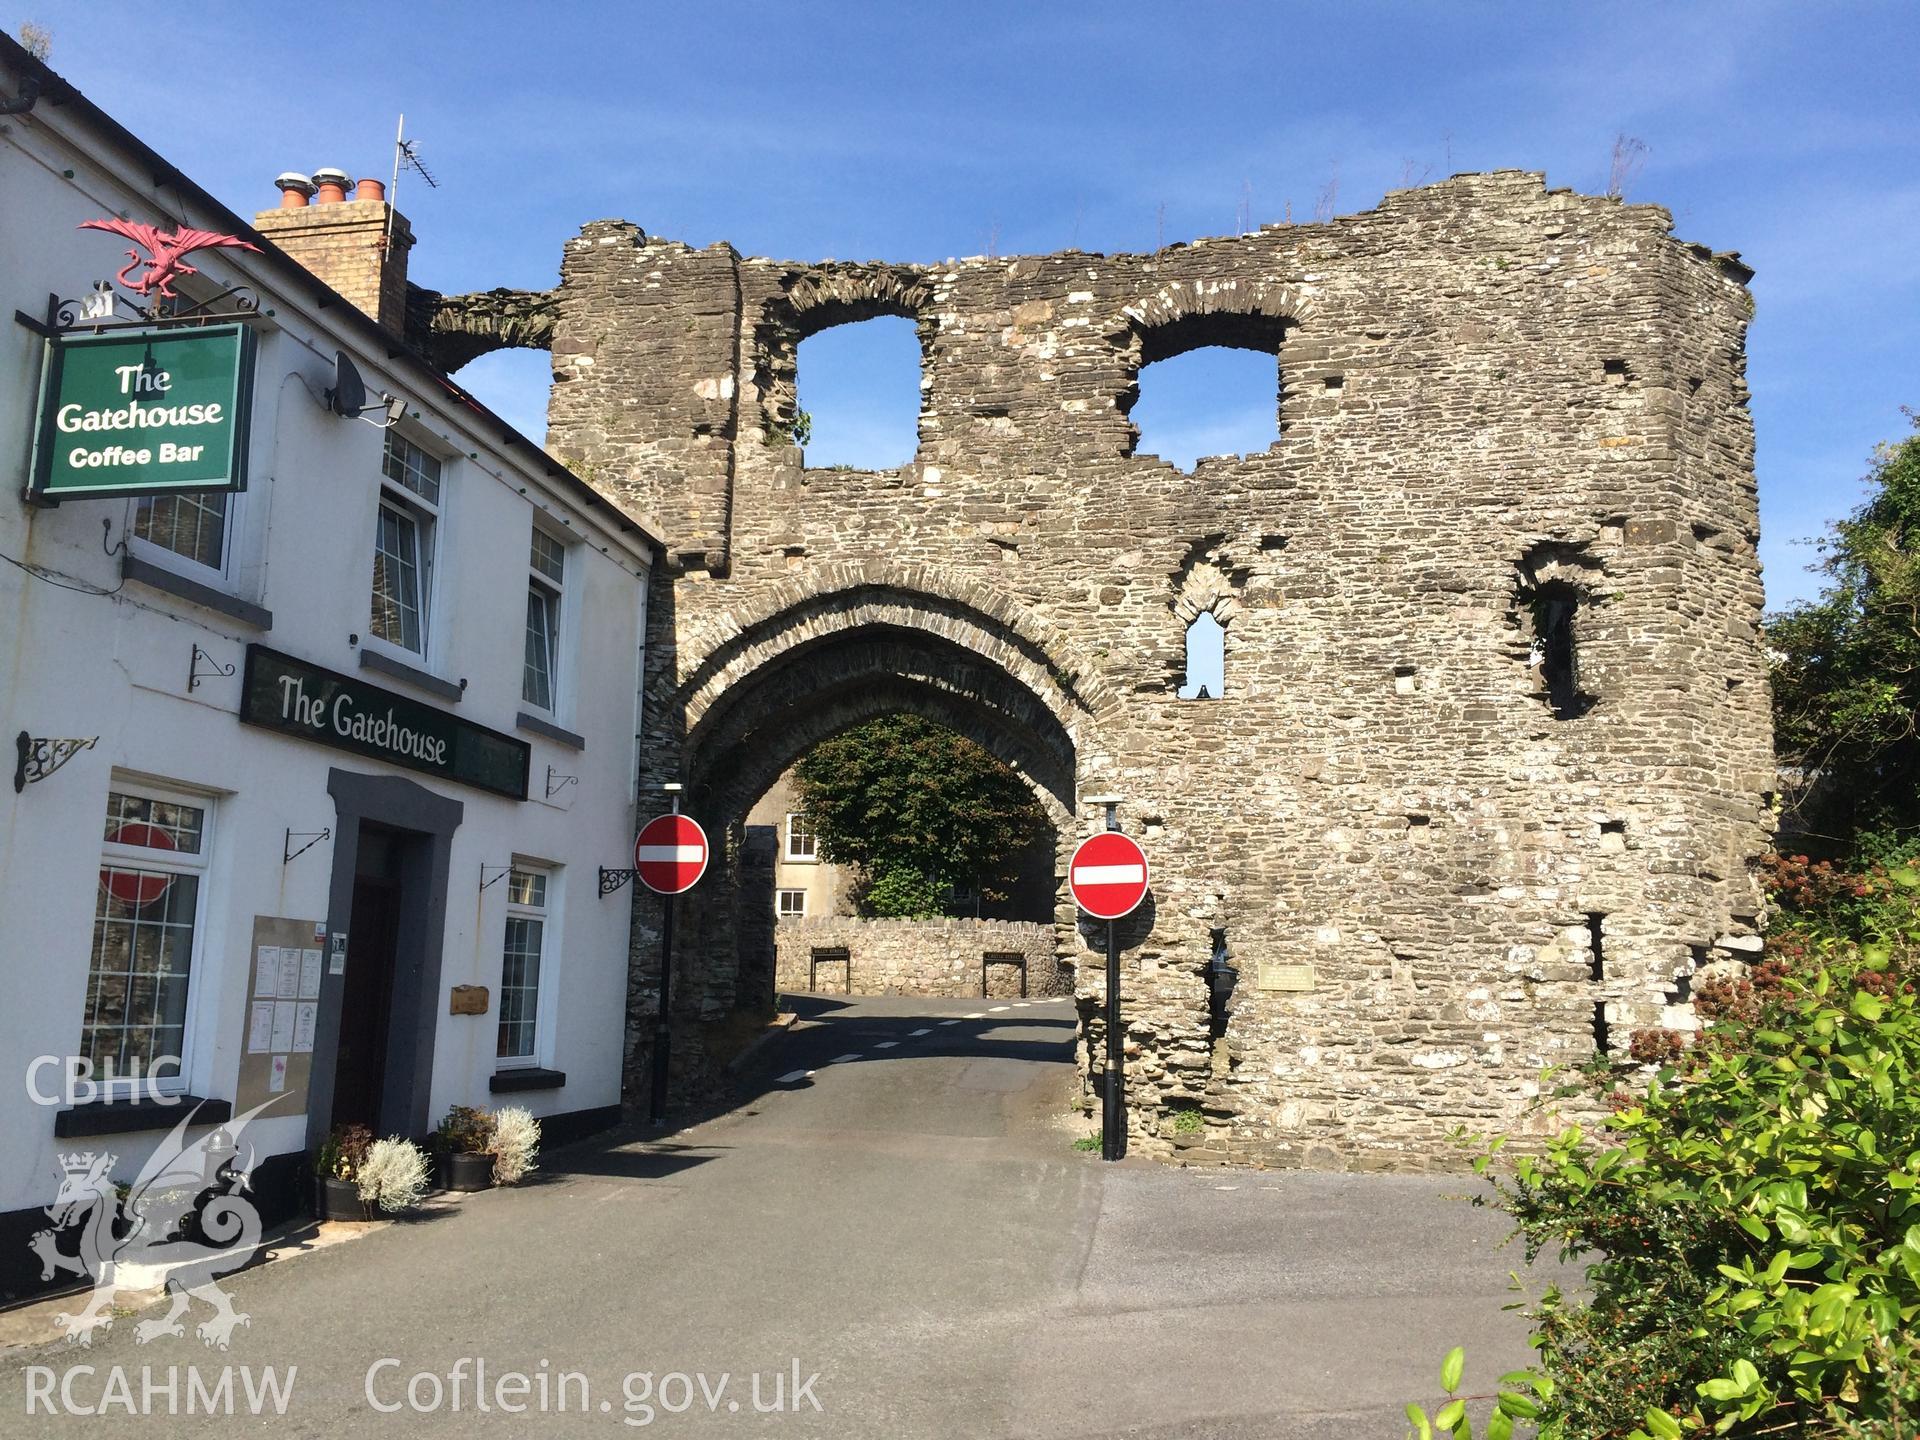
(857, 395)
(1596, 946)
(1213, 400)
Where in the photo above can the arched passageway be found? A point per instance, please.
(772, 690)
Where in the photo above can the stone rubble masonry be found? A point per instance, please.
(347, 245)
(918, 957)
(1491, 395)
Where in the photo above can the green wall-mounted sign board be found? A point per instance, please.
(144, 413)
(282, 693)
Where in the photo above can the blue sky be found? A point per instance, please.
(920, 131)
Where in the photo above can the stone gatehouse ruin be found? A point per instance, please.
(1489, 777)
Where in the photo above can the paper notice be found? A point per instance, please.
(309, 974)
(305, 1016)
(277, 1076)
(266, 972)
(289, 973)
(283, 1024)
(260, 1028)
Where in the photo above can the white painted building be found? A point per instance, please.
(290, 914)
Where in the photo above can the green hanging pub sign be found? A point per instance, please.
(149, 412)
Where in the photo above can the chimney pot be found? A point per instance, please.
(295, 189)
(370, 189)
(333, 185)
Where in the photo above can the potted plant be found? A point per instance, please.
(515, 1143)
(393, 1176)
(465, 1143)
(336, 1171)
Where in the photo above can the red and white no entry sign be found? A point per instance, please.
(1108, 875)
(670, 854)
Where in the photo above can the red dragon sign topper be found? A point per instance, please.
(166, 257)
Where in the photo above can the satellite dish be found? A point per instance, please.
(348, 394)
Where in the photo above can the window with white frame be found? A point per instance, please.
(522, 960)
(403, 544)
(146, 930)
(790, 904)
(546, 577)
(802, 844)
(192, 527)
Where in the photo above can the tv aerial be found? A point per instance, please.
(406, 156)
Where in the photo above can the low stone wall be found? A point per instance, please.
(916, 957)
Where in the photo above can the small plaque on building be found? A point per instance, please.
(1285, 977)
(468, 1000)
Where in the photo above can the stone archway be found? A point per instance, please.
(779, 679)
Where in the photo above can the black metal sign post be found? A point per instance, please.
(1108, 877)
(662, 1031)
(1113, 1124)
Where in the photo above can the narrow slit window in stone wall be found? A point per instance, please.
(1206, 659)
(858, 395)
(1554, 610)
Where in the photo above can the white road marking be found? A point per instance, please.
(978, 1015)
(794, 1076)
(996, 1009)
(886, 1044)
(842, 1059)
(949, 1022)
(673, 854)
(1109, 874)
(921, 1031)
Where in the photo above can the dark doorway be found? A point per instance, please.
(366, 1006)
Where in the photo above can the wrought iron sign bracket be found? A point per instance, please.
(40, 756)
(557, 783)
(500, 872)
(313, 837)
(195, 674)
(102, 309)
(612, 880)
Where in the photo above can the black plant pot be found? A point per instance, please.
(338, 1199)
(465, 1173)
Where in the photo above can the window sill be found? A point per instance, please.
(551, 731)
(124, 1117)
(531, 1077)
(158, 577)
(412, 674)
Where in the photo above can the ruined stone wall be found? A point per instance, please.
(1499, 405)
(918, 957)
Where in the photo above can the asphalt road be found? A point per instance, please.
(898, 1211)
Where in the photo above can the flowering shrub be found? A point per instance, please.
(393, 1175)
(515, 1142)
(1755, 1208)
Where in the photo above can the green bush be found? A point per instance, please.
(1753, 1211)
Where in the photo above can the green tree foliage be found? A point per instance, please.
(920, 809)
(1846, 672)
(1750, 1218)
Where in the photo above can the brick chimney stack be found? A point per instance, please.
(358, 246)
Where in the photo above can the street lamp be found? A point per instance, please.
(1112, 1114)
